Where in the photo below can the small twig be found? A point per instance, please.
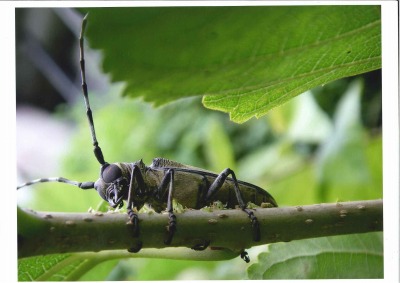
(41, 233)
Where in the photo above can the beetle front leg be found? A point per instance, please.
(133, 217)
(217, 184)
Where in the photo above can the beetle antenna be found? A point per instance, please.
(97, 150)
(84, 185)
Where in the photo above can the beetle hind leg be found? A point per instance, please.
(254, 224)
(245, 256)
(218, 183)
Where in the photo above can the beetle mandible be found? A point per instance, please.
(163, 181)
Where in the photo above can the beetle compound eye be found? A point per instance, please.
(111, 173)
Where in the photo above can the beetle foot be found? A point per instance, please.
(202, 246)
(245, 256)
(255, 225)
(134, 220)
(136, 248)
(171, 228)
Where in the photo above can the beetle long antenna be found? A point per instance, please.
(97, 150)
(84, 185)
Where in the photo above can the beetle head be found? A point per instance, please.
(112, 185)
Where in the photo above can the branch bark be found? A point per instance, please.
(41, 233)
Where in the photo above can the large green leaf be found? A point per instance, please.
(59, 267)
(245, 60)
(338, 257)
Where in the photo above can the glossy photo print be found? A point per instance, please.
(199, 143)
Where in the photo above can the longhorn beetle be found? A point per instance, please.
(162, 181)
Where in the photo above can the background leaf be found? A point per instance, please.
(246, 60)
(66, 267)
(338, 257)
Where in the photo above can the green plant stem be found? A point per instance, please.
(41, 233)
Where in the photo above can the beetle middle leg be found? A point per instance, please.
(171, 228)
(202, 246)
(218, 183)
(168, 180)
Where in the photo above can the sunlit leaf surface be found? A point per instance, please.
(245, 60)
